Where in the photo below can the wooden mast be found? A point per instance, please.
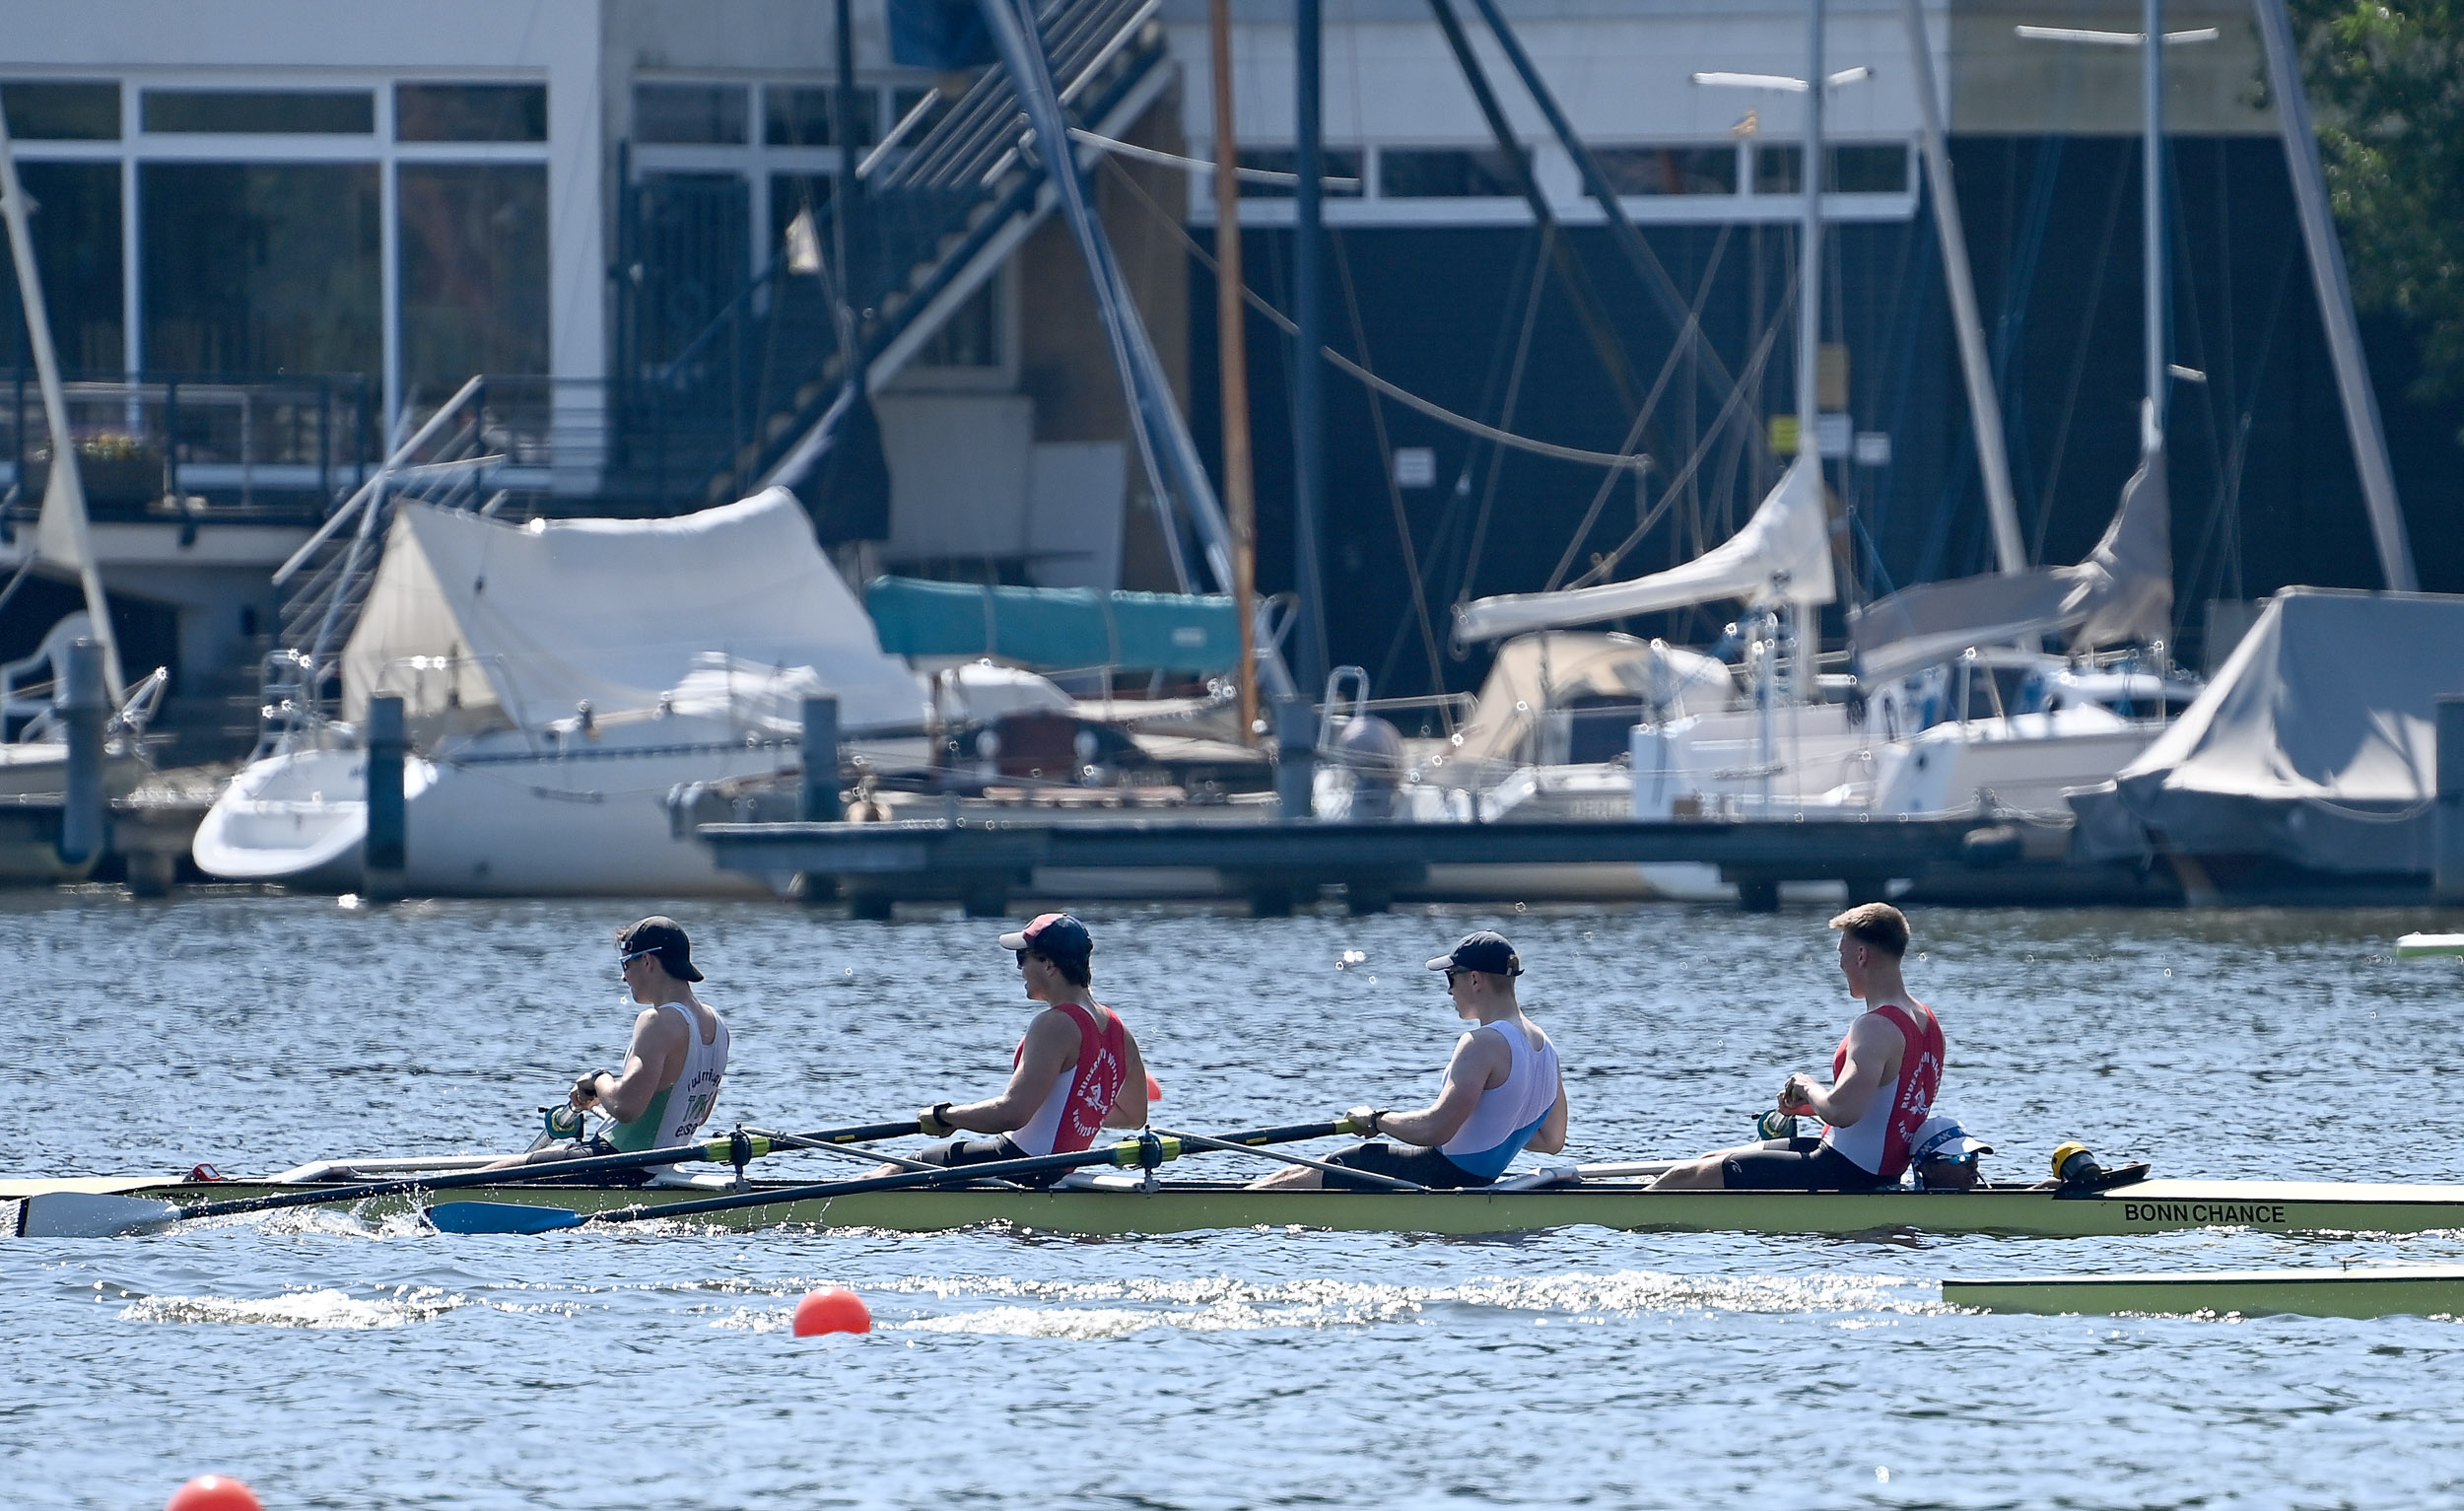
(1232, 367)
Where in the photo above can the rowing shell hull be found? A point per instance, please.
(2151, 1206)
(2411, 1290)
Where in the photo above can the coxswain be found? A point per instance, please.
(673, 1067)
(1503, 1093)
(1076, 1072)
(1884, 1077)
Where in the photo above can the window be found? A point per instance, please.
(1854, 168)
(470, 112)
(1431, 172)
(62, 111)
(77, 244)
(1868, 169)
(971, 337)
(261, 112)
(253, 268)
(797, 116)
(475, 271)
(1669, 170)
(1335, 163)
(688, 115)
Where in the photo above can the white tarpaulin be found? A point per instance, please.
(2123, 591)
(1540, 672)
(523, 622)
(1782, 555)
(2316, 744)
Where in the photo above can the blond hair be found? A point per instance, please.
(1878, 924)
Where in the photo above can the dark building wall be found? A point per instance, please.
(2263, 489)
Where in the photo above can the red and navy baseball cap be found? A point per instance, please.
(1486, 950)
(1056, 937)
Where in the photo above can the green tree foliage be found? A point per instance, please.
(2386, 83)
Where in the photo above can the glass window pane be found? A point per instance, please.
(48, 110)
(972, 337)
(259, 268)
(1777, 170)
(690, 235)
(76, 231)
(248, 113)
(1868, 169)
(470, 112)
(1425, 172)
(475, 271)
(1669, 170)
(689, 113)
(797, 116)
(1337, 163)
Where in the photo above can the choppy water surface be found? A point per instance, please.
(336, 1365)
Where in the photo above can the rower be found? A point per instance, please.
(1884, 1077)
(672, 1068)
(1076, 1072)
(1502, 1094)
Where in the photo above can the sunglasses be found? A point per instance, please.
(623, 961)
(1454, 971)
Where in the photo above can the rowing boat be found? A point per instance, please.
(1119, 1204)
(2418, 1290)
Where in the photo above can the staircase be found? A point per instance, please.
(941, 203)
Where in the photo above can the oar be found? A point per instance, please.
(1147, 1152)
(1247, 1145)
(79, 1214)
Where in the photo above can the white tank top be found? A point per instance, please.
(1511, 1112)
(682, 1106)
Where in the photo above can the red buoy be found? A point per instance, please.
(214, 1492)
(1154, 1088)
(821, 1311)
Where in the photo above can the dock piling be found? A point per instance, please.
(1296, 754)
(817, 803)
(84, 708)
(2447, 818)
(384, 854)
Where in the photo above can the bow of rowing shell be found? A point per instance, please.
(2149, 1207)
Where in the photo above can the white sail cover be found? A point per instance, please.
(2123, 591)
(2315, 744)
(522, 622)
(1782, 555)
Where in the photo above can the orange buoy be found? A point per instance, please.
(214, 1492)
(821, 1311)
(1154, 1088)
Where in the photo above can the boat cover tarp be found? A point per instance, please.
(1057, 628)
(1781, 555)
(2316, 744)
(2123, 591)
(525, 621)
(1534, 673)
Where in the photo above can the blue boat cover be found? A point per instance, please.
(1056, 628)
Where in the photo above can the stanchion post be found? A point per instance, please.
(2447, 817)
(1295, 755)
(386, 849)
(84, 706)
(819, 800)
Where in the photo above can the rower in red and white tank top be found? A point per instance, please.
(1878, 1142)
(1071, 1116)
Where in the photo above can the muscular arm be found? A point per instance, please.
(1128, 1110)
(1874, 1050)
(1481, 1060)
(651, 1063)
(1051, 1042)
(1551, 1136)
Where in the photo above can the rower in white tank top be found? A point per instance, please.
(679, 1109)
(1510, 1113)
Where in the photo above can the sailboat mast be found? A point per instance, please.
(63, 484)
(2152, 213)
(1232, 367)
(1810, 271)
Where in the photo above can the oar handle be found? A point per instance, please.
(866, 1134)
(1295, 1134)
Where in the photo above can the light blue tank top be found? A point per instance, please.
(1510, 1113)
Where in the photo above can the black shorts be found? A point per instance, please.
(953, 1152)
(1403, 1162)
(1797, 1164)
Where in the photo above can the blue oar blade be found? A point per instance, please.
(500, 1217)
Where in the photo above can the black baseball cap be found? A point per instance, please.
(1056, 937)
(664, 937)
(1486, 950)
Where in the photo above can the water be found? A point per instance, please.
(336, 1365)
